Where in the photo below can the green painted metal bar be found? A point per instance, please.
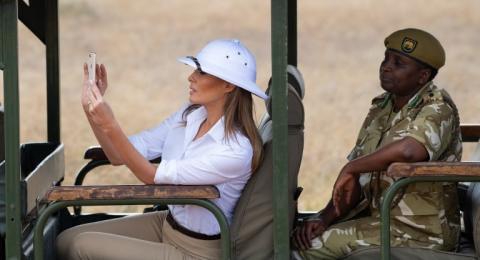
(2, 30)
(9, 16)
(389, 196)
(55, 206)
(292, 32)
(280, 131)
(53, 71)
(2, 66)
(33, 17)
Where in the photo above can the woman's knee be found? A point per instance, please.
(84, 245)
(65, 242)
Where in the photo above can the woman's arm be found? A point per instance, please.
(407, 149)
(102, 83)
(141, 167)
(113, 139)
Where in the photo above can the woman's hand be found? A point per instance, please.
(99, 111)
(101, 78)
(308, 230)
(95, 107)
(346, 192)
(101, 81)
(86, 85)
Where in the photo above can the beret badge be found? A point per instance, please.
(408, 45)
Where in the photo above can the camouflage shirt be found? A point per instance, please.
(431, 118)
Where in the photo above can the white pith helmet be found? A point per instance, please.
(229, 60)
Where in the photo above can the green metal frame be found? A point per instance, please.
(55, 206)
(281, 236)
(9, 30)
(390, 194)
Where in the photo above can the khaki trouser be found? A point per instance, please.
(342, 238)
(146, 236)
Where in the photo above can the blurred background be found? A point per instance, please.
(340, 46)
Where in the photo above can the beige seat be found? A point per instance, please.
(252, 227)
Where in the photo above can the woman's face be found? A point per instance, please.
(401, 75)
(207, 89)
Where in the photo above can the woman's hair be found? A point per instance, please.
(238, 113)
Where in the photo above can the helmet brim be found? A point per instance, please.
(209, 68)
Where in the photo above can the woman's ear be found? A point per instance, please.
(424, 76)
(229, 87)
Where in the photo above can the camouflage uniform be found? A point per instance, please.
(423, 214)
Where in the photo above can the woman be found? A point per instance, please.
(211, 140)
(413, 121)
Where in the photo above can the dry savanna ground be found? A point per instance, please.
(340, 48)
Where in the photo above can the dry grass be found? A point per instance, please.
(340, 47)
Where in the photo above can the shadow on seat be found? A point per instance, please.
(252, 226)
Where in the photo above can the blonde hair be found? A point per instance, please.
(238, 114)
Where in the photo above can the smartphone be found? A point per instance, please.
(91, 67)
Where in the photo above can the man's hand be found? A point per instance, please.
(346, 192)
(303, 235)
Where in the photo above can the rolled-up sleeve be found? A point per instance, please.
(149, 143)
(215, 167)
(433, 128)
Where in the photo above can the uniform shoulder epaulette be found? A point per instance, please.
(432, 95)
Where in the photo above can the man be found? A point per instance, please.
(412, 121)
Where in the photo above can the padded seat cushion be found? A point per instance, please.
(252, 225)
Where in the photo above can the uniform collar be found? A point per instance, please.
(414, 101)
(195, 119)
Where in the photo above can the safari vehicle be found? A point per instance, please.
(33, 201)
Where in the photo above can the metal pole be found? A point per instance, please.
(292, 32)
(55, 206)
(9, 29)
(280, 131)
(53, 70)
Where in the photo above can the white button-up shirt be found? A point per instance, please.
(209, 160)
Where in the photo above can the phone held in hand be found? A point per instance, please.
(91, 67)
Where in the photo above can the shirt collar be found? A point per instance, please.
(195, 119)
(413, 102)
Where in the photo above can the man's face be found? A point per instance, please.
(401, 75)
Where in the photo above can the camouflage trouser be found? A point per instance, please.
(342, 238)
